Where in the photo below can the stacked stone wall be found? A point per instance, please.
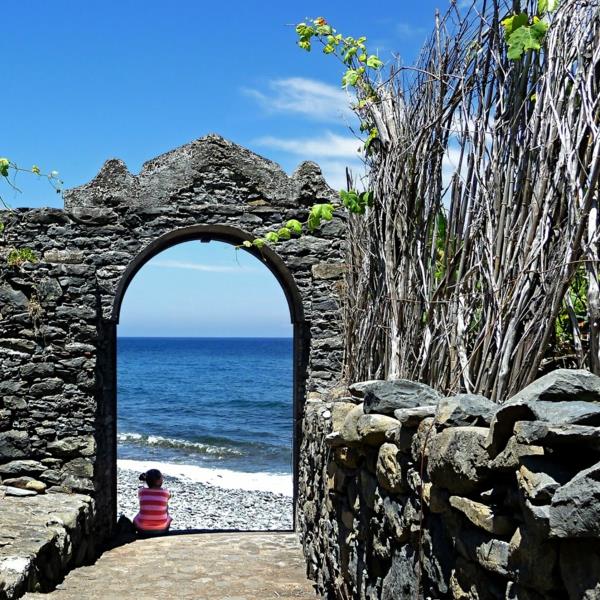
(58, 315)
(405, 495)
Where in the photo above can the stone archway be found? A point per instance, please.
(107, 447)
(59, 315)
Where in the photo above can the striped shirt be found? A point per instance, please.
(154, 509)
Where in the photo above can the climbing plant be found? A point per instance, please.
(475, 252)
(8, 172)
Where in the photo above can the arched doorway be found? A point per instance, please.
(207, 233)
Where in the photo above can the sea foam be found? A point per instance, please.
(223, 478)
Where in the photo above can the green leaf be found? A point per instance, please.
(526, 38)
(318, 213)
(324, 30)
(349, 54)
(374, 62)
(272, 237)
(350, 78)
(284, 233)
(258, 242)
(247, 244)
(4, 165)
(295, 226)
(328, 49)
(367, 198)
(547, 6)
(305, 45)
(1, 227)
(511, 24)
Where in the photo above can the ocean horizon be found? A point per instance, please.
(210, 409)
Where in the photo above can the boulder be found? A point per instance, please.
(465, 409)
(384, 397)
(420, 444)
(470, 582)
(557, 413)
(372, 428)
(561, 384)
(575, 508)
(483, 517)
(458, 459)
(510, 458)
(15, 491)
(402, 578)
(545, 434)
(339, 412)
(66, 447)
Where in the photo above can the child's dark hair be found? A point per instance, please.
(151, 477)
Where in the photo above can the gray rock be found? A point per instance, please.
(16, 491)
(510, 458)
(349, 431)
(580, 568)
(544, 434)
(371, 428)
(534, 561)
(483, 516)
(470, 582)
(539, 478)
(9, 296)
(465, 409)
(384, 397)
(561, 384)
(26, 483)
(389, 471)
(575, 508)
(411, 417)
(458, 459)
(14, 444)
(401, 580)
(22, 467)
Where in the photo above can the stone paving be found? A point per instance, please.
(206, 566)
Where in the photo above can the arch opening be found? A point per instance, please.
(298, 345)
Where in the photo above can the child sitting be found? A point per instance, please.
(154, 504)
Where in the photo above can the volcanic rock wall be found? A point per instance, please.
(58, 315)
(405, 495)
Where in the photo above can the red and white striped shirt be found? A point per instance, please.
(154, 509)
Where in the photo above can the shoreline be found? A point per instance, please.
(202, 505)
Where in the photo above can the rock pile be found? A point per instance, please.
(405, 494)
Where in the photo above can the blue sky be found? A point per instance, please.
(83, 82)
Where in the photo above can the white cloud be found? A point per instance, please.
(308, 97)
(329, 145)
(409, 30)
(178, 264)
(335, 173)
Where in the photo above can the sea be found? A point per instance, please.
(214, 410)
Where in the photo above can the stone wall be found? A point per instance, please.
(406, 495)
(58, 316)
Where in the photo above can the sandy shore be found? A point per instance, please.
(196, 505)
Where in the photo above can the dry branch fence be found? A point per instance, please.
(478, 266)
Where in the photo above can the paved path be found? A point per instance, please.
(227, 566)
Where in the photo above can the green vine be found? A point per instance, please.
(18, 256)
(524, 32)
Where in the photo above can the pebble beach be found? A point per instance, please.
(198, 505)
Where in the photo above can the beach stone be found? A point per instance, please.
(371, 428)
(26, 483)
(575, 508)
(384, 397)
(465, 409)
(16, 491)
(483, 516)
(458, 459)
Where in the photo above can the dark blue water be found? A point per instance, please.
(211, 402)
